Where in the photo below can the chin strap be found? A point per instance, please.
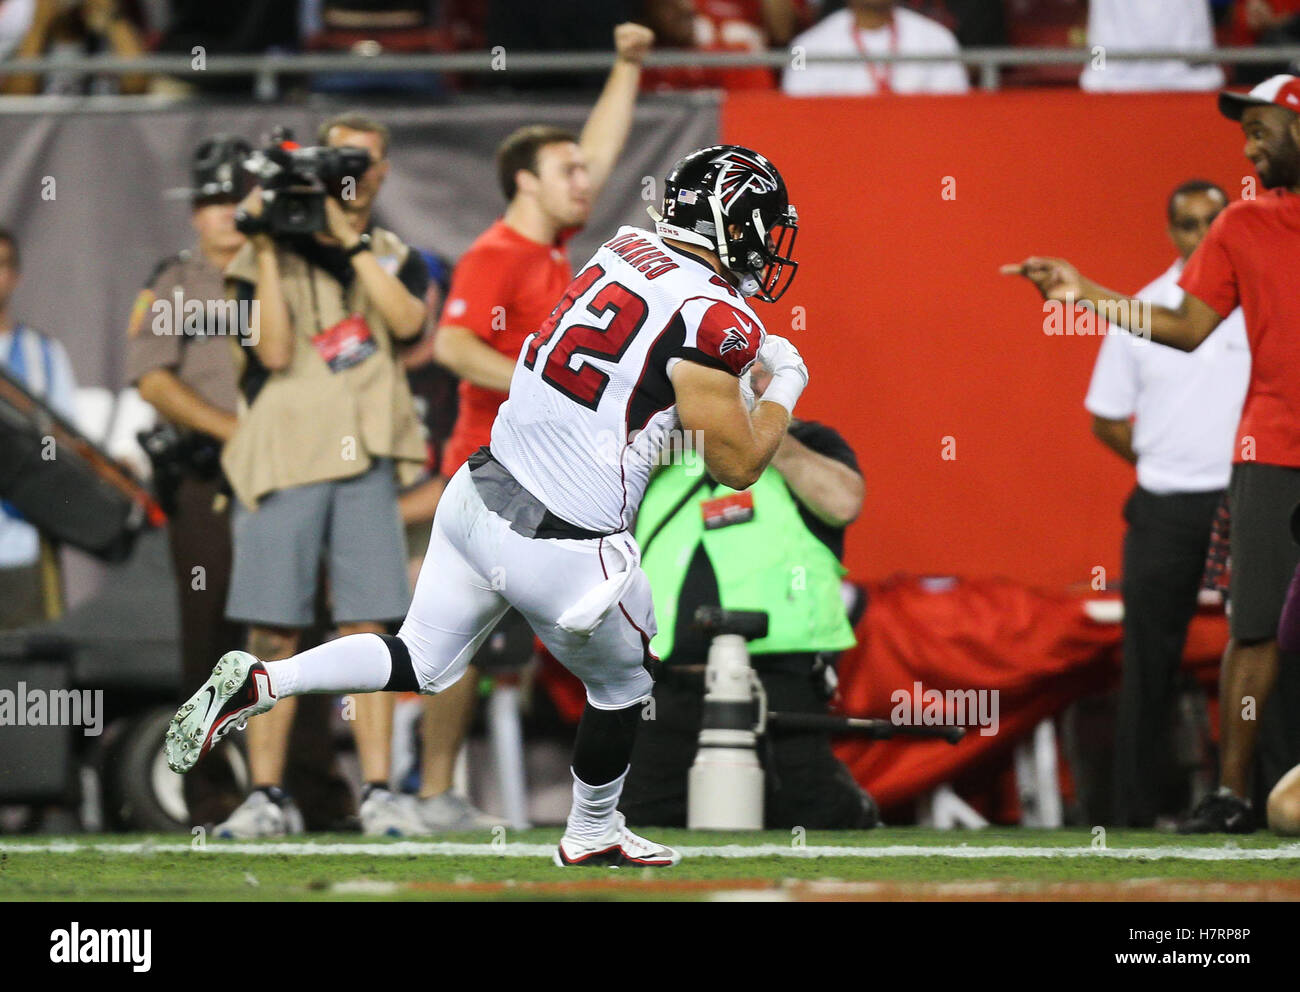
(720, 225)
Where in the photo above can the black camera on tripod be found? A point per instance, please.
(295, 182)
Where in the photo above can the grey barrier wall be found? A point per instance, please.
(84, 192)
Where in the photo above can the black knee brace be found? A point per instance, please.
(402, 677)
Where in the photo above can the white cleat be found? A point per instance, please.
(391, 814)
(259, 816)
(616, 848)
(238, 688)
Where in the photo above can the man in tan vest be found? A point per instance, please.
(326, 427)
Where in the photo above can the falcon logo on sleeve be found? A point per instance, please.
(727, 337)
(733, 340)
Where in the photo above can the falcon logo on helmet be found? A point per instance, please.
(741, 172)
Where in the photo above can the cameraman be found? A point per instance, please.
(326, 425)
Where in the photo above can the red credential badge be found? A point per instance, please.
(347, 343)
(724, 511)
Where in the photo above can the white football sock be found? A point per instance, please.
(594, 807)
(355, 663)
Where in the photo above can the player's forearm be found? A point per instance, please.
(402, 312)
(610, 120)
(178, 403)
(830, 489)
(738, 462)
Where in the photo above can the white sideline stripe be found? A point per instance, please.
(1285, 852)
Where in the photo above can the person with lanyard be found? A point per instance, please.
(327, 428)
(41, 364)
(774, 547)
(1174, 416)
(871, 28)
(1244, 260)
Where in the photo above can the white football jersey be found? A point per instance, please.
(591, 403)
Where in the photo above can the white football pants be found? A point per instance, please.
(477, 567)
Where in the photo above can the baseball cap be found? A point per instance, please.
(217, 169)
(1281, 91)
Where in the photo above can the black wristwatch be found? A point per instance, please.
(363, 244)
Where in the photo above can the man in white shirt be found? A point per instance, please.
(1116, 25)
(41, 364)
(1185, 407)
(869, 28)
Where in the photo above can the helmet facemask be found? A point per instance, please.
(763, 256)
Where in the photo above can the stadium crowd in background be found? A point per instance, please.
(31, 28)
(1120, 25)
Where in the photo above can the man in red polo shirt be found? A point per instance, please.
(503, 288)
(1247, 259)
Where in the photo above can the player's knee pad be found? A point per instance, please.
(401, 676)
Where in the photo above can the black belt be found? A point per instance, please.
(503, 495)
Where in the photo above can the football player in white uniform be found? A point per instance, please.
(653, 337)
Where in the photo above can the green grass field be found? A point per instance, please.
(886, 864)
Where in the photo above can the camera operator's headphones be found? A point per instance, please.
(218, 171)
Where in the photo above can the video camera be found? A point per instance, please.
(295, 182)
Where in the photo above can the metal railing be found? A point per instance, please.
(268, 69)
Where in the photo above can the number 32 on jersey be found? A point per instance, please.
(586, 384)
